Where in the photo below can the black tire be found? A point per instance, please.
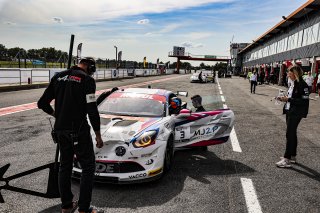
(203, 148)
(169, 153)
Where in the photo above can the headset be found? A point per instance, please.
(91, 64)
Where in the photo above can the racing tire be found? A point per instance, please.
(169, 153)
(203, 148)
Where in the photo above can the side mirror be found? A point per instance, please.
(182, 93)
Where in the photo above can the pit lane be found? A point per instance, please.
(199, 181)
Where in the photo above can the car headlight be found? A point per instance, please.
(146, 139)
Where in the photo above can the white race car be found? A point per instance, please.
(205, 78)
(140, 134)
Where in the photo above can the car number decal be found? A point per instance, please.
(182, 133)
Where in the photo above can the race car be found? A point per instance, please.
(205, 78)
(141, 131)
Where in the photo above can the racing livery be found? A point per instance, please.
(140, 134)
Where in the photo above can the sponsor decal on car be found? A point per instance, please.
(104, 168)
(205, 131)
(157, 97)
(141, 175)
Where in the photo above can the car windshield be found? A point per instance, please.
(132, 106)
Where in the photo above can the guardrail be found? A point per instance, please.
(15, 76)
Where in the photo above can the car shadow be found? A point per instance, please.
(192, 163)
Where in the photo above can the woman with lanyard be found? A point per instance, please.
(295, 108)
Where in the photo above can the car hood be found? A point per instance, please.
(124, 128)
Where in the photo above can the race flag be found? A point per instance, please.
(144, 62)
(79, 53)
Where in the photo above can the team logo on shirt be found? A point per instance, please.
(70, 78)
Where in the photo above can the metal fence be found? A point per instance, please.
(16, 76)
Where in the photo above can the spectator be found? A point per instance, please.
(309, 80)
(296, 108)
(253, 82)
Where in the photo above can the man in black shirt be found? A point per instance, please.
(74, 93)
(196, 102)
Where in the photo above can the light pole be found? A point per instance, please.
(116, 56)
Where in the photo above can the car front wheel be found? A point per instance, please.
(169, 153)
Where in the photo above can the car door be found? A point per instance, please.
(202, 128)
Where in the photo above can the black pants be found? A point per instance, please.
(85, 155)
(253, 85)
(292, 141)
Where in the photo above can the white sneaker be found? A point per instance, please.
(283, 163)
(292, 160)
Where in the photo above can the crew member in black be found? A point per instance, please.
(196, 102)
(104, 95)
(74, 93)
(200, 77)
(296, 108)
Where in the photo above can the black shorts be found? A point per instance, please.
(318, 86)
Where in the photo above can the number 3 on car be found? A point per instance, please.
(182, 133)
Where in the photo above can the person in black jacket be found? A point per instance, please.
(296, 107)
(74, 93)
(200, 77)
(197, 103)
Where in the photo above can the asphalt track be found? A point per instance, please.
(222, 179)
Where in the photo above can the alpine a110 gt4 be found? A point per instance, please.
(140, 131)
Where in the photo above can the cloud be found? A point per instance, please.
(143, 21)
(38, 11)
(169, 28)
(191, 45)
(57, 19)
(9, 23)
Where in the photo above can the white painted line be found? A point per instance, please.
(222, 98)
(250, 196)
(221, 93)
(234, 141)
(233, 136)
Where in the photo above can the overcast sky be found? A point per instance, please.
(139, 27)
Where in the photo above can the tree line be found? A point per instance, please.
(50, 54)
(45, 54)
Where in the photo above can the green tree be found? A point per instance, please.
(3, 52)
(33, 54)
(221, 67)
(13, 52)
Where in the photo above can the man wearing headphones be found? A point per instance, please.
(74, 93)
